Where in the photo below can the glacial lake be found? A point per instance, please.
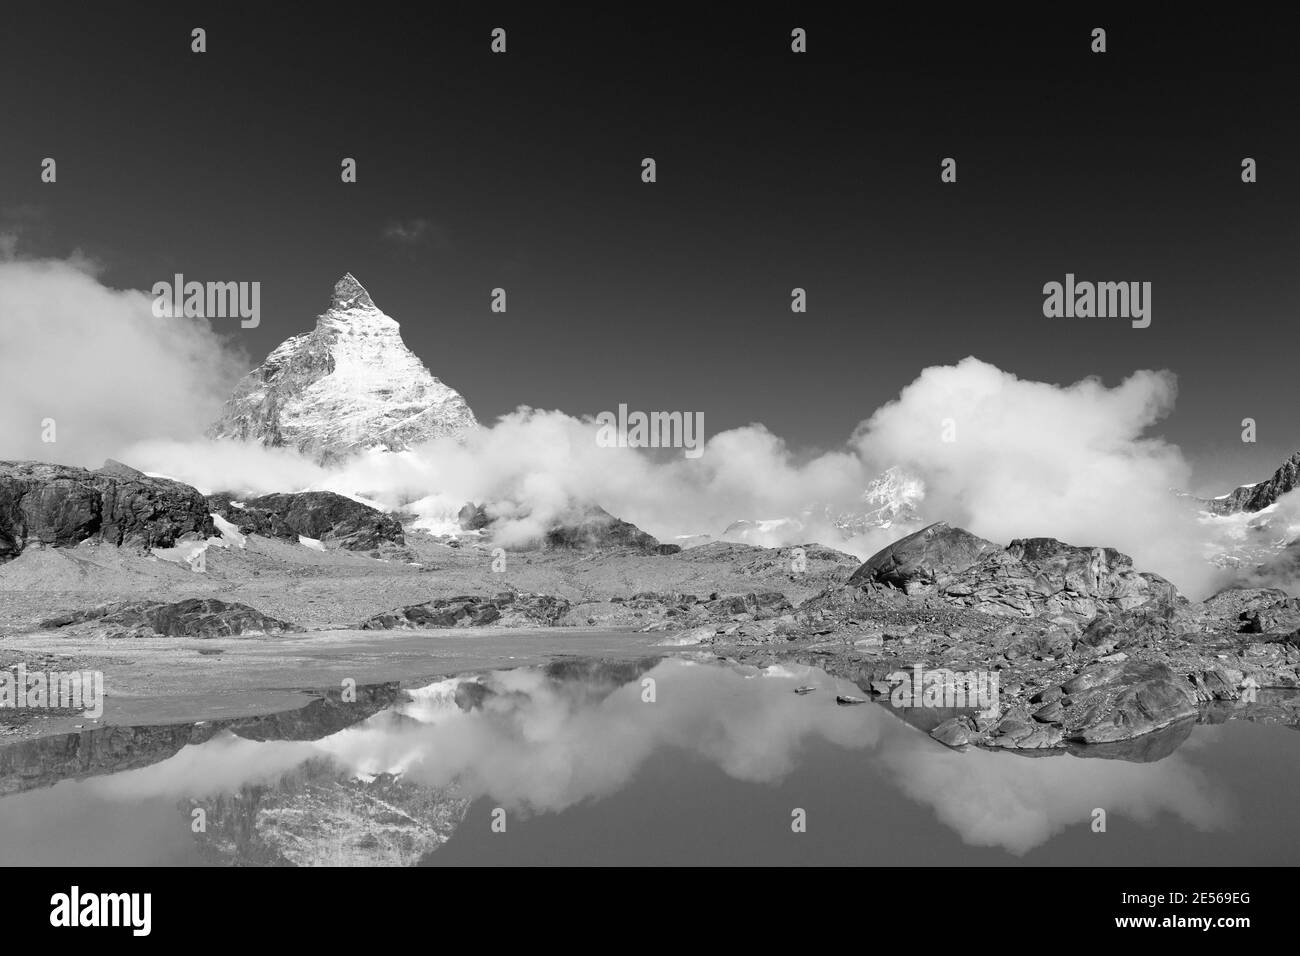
(573, 764)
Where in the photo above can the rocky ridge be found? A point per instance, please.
(332, 519)
(1257, 497)
(44, 505)
(1085, 649)
(580, 528)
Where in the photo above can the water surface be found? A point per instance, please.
(656, 761)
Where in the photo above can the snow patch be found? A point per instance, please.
(184, 552)
(437, 515)
(230, 533)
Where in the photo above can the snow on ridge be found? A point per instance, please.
(348, 386)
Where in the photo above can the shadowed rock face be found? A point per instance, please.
(1147, 748)
(1110, 702)
(595, 529)
(1233, 603)
(1252, 498)
(58, 506)
(1037, 576)
(1280, 617)
(1029, 578)
(323, 515)
(200, 618)
(931, 556)
(1087, 650)
(44, 761)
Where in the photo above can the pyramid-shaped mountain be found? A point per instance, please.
(347, 386)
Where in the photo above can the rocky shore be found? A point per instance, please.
(1080, 647)
(1051, 645)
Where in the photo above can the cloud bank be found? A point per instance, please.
(1000, 455)
(97, 364)
(1025, 459)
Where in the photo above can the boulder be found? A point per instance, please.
(1281, 617)
(1119, 701)
(953, 732)
(198, 618)
(931, 556)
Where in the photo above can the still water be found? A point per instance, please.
(650, 762)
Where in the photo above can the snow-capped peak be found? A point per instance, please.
(350, 294)
(895, 491)
(348, 386)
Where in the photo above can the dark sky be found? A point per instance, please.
(775, 170)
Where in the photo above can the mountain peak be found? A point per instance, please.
(350, 294)
(348, 386)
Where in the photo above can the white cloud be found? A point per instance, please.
(1029, 459)
(1033, 459)
(97, 362)
(542, 746)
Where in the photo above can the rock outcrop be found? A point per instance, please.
(60, 506)
(1281, 617)
(1108, 702)
(330, 518)
(349, 385)
(1257, 497)
(929, 558)
(1031, 577)
(195, 617)
(1078, 648)
(504, 610)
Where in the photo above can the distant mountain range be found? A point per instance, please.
(1247, 528)
(890, 501)
(1260, 495)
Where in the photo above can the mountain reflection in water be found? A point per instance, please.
(658, 761)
